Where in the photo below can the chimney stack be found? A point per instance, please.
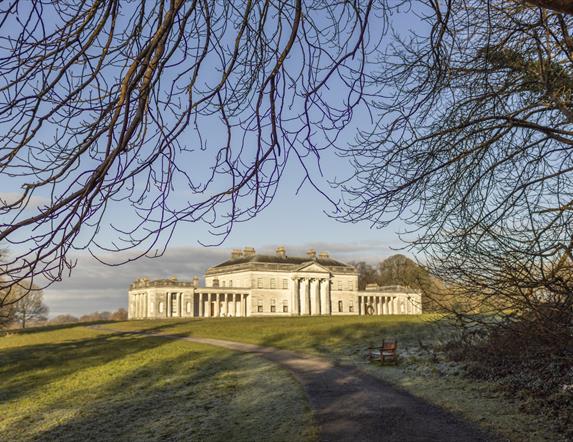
(281, 252)
(249, 251)
(195, 281)
(324, 255)
(236, 253)
(311, 253)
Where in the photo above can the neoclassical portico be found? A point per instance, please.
(311, 294)
(249, 284)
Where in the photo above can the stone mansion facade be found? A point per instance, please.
(249, 284)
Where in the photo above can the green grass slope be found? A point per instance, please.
(423, 370)
(80, 384)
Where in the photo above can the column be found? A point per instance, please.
(208, 306)
(146, 298)
(303, 300)
(307, 306)
(328, 285)
(297, 297)
(236, 310)
(314, 297)
(294, 301)
(201, 305)
(324, 301)
(216, 312)
(359, 300)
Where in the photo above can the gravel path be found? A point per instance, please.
(350, 405)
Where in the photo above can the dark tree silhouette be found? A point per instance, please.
(474, 149)
(30, 307)
(135, 116)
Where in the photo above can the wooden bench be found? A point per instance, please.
(387, 352)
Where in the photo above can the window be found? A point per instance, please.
(285, 305)
(260, 283)
(285, 283)
(273, 283)
(230, 283)
(188, 307)
(161, 307)
(340, 309)
(339, 284)
(351, 306)
(260, 306)
(273, 305)
(349, 284)
(223, 284)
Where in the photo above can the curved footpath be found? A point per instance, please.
(350, 405)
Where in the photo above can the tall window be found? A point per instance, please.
(285, 306)
(260, 283)
(285, 283)
(340, 309)
(273, 305)
(151, 306)
(351, 306)
(273, 283)
(260, 306)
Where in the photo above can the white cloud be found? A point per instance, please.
(33, 202)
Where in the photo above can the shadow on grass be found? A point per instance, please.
(51, 327)
(184, 393)
(30, 367)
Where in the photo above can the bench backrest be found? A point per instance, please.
(389, 345)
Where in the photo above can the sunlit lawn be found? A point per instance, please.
(80, 384)
(346, 338)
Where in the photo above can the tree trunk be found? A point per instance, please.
(563, 6)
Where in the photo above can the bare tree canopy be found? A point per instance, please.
(180, 110)
(476, 138)
(185, 111)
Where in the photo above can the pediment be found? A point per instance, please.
(312, 267)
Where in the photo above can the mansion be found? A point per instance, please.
(250, 284)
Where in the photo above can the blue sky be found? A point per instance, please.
(296, 220)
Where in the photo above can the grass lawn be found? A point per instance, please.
(345, 338)
(81, 384)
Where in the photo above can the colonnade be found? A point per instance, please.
(386, 305)
(140, 305)
(174, 309)
(311, 296)
(222, 304)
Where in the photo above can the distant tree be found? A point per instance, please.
(30, 306)
(367, 274)
(64, 319)
(401, 270)
(119, 315)
(96, 316)
(7, 306)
